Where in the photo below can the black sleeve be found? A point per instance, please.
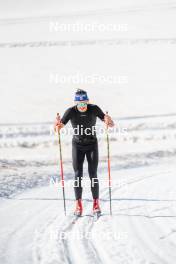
(67, 116)
(99, 112)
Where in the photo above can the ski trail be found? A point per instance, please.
(81, 230)
(89, 248)
(71, 246)
(68, 240)
(141, 230)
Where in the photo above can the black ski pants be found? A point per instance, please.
(79, 152)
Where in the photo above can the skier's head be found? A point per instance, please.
(81, 100)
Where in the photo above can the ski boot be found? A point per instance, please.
(96, 207)
(79, 208)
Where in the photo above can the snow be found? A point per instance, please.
(142, 228)
(33, 228)
(35, 56)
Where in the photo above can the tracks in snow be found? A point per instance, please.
(143, 223)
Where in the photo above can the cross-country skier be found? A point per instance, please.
(83, 117)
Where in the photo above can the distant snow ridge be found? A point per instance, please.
(36, 135)
(37, 44)
(30, 158)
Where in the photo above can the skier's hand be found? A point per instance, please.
(108, 121)
(58, 124)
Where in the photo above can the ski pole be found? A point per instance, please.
(61, 168)
(109, 167)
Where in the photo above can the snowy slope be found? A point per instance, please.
(144, 54)
(141, 230)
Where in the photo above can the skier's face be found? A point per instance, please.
(82, 106)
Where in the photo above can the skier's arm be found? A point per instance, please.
(99, 113)
(60, 122)
(104, 117)
(67, 116)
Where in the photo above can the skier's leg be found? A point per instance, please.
(78, 160)
(92, 158)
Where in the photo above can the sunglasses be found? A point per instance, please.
(79, 105)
